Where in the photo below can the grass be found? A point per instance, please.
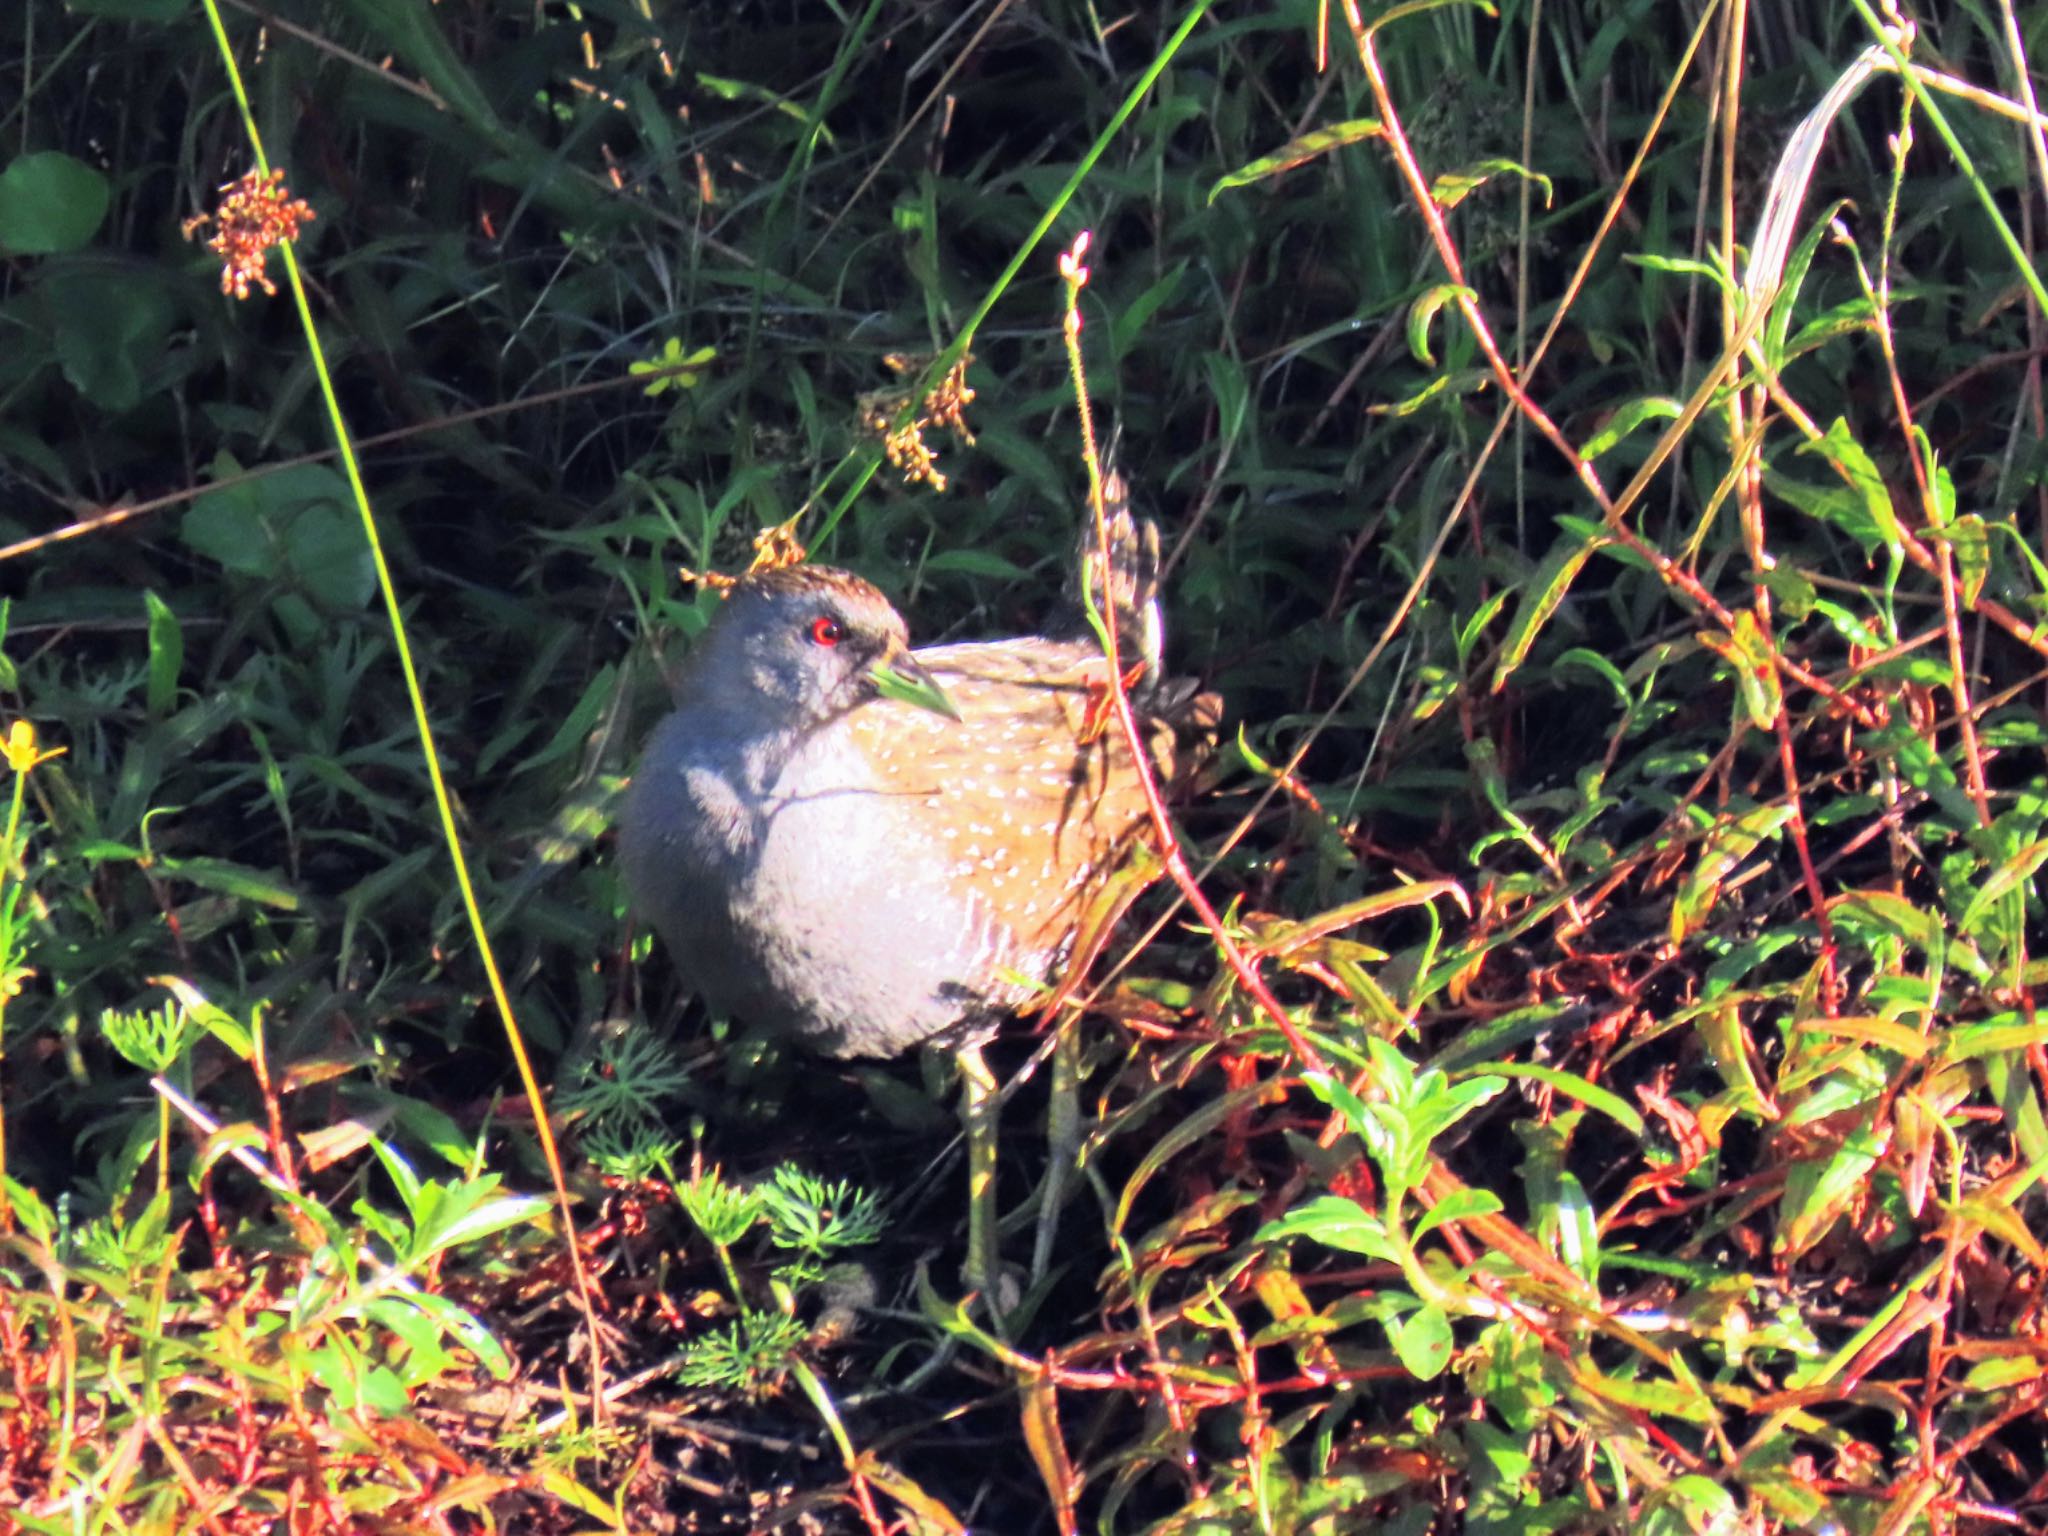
(1612, 516)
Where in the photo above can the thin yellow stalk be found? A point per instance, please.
(6, 869)
(500, 996)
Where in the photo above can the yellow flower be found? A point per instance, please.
(674, 368)
(21, 747)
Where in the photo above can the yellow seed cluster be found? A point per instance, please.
(255, 213)
(946, 406)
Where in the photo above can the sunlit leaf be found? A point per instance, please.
(1894, 914)
(1459, 1205)
(1452, 187)
(1335, 1221)
(1626, 419)
(1849, 457)
(1668, 1399)
(1422, 1341)
(1871, 1030)
(1969, 540)
(1544, 591)
(1572, 1086)
(1731, 841)
(1298, 151)
(1816, 1194)
(1424, 310)
(1040, 1414)
(166, 654)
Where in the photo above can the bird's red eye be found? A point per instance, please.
(826, 630)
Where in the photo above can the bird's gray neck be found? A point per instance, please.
(726, 738)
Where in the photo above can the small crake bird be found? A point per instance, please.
(868, 847)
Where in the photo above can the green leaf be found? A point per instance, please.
(297, 524)
(1991, 1375)
(1749, 652)
(1627, 419)
(1815, 1194)
(1338, 1097)
(1509, 1371)
(975, 562)
(110, 330)
(327, 552)
(357, 1385)
(1232, 391)
(1726, 846)
(30, 1211)
(1794, 278)
(1453, 187)
(1336, 1222)
(1546, 589)
(1573, 1226)
(1424, 310)
(1465, 381)
(1131, 320)
(1571, 1085)
(741, 90)
(1682, 266)
(485, 1220)
(1848, 318)
(1924, 769)
(1438, 1107)
(1460, 1205)
(227, 527)
(50, 203)
(1970, 539)
(1422, 1342)
(237, 880)
(434, 1128)
(2003, 1223)
(1694, 1505)
(1470, 631)
(1833, 504)
(2012, 873)
(1898, 916)
(1855, 465)
(130, 10)
(211, 1017)
(1848, 625)
(1298, 152)
(1578, 656)
(166, 654)
(1941, 485)
(2024, 550)
(1728, 1048)
(1667, 1399)
(1795, 594)
(410, 30)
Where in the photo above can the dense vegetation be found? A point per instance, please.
(1600, 469)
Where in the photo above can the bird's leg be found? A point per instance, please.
(1062, 1143)
(979, 1102)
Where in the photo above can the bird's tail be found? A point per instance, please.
(1126, 591)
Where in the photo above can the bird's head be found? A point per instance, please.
(804, 644)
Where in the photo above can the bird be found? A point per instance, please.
(870, 847)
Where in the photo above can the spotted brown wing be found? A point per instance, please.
(1031, 794)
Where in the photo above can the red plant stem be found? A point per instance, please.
(1141, 759)
(1667, 569)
